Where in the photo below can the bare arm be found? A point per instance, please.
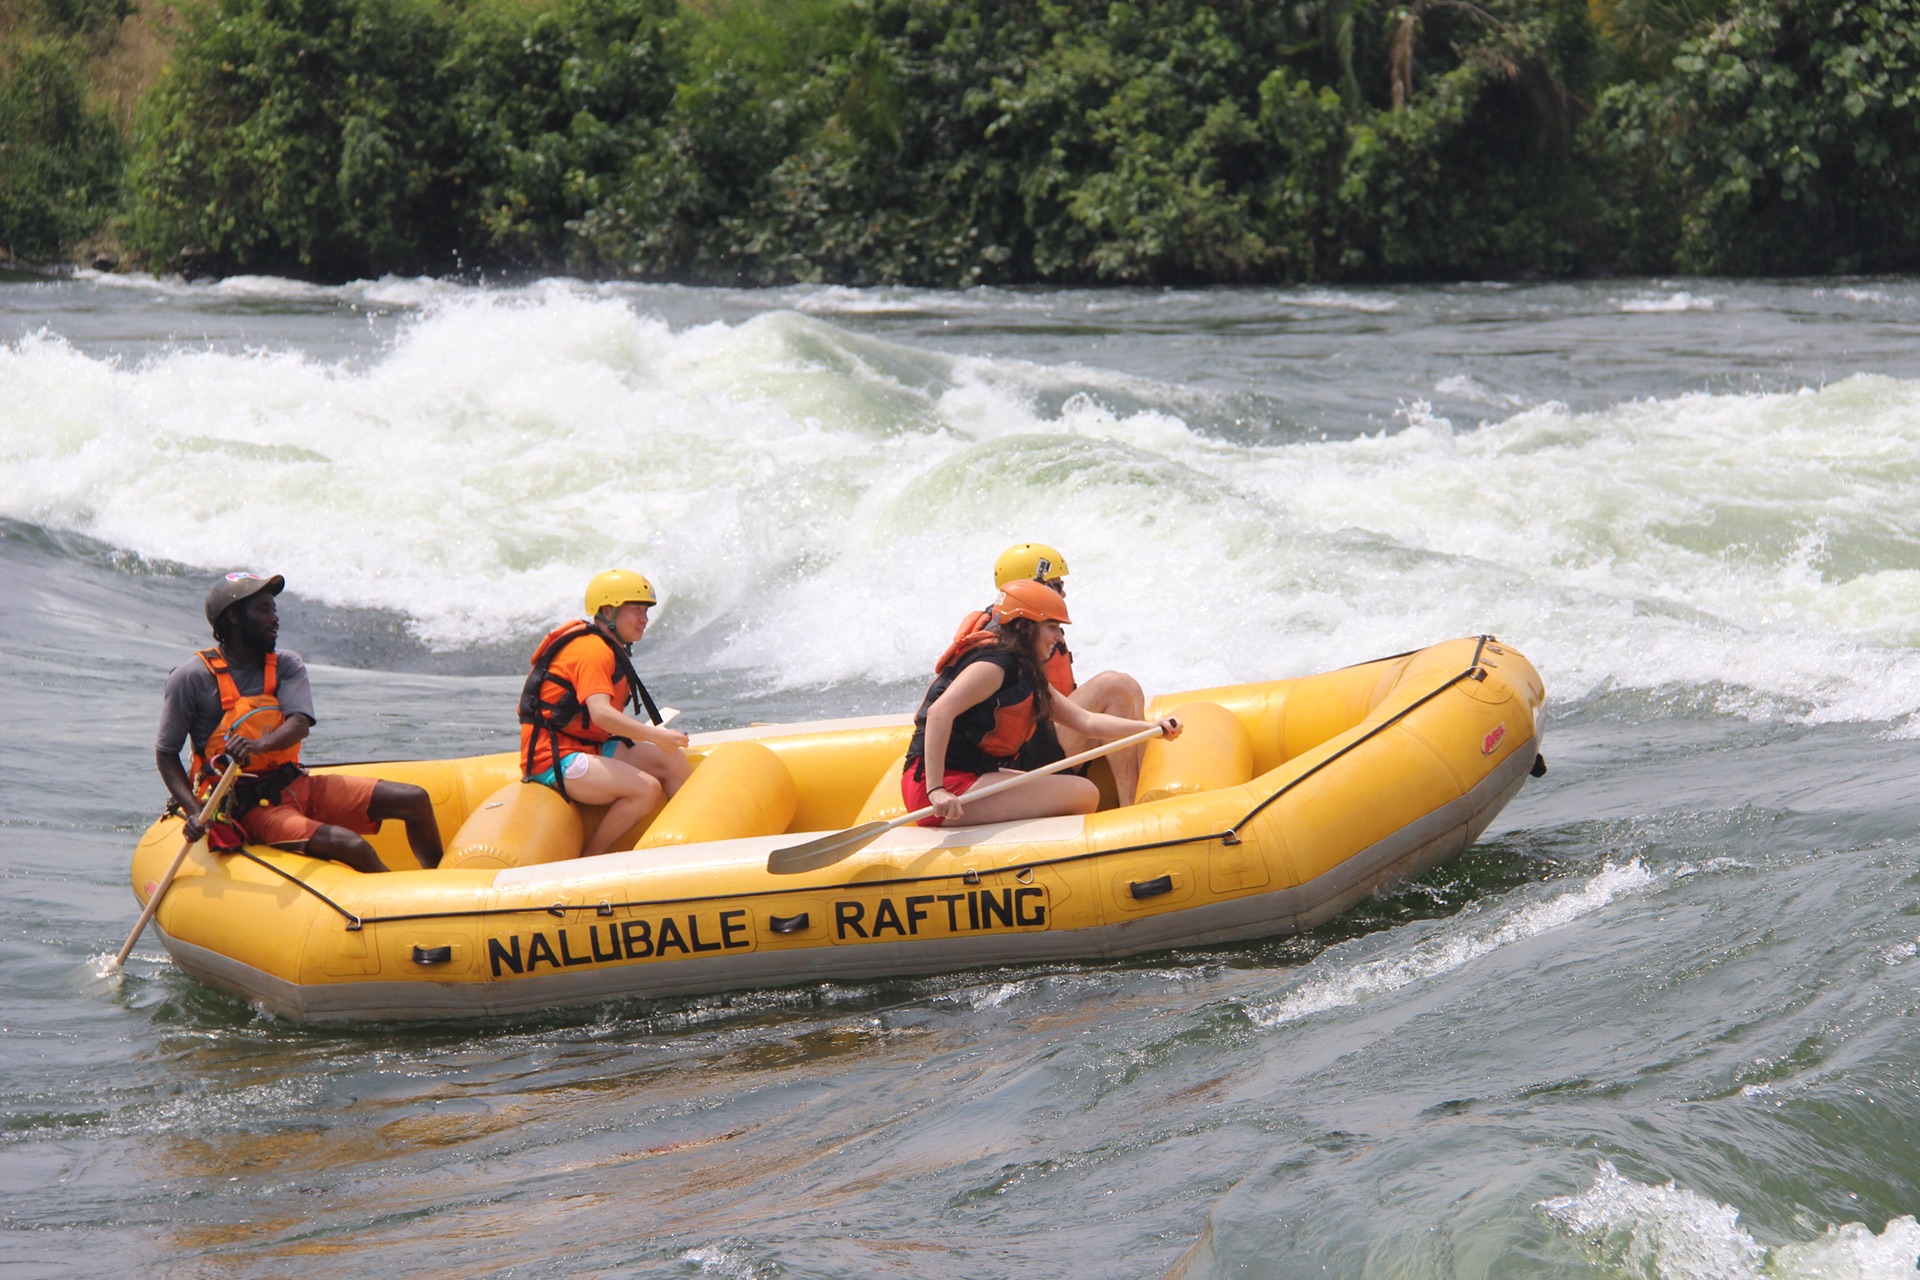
(619, 723)
(291, 730)
(970, 688)
(1102, 727)
(180, 787)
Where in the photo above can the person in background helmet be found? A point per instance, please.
(578, 733)
(989, 699)
(249, 700)
(1112, 693)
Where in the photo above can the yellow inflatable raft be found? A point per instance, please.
(1282, 804)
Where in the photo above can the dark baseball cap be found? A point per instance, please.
(237, 586)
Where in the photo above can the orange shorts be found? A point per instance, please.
(312, 801)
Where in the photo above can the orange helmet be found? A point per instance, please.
(1026, 599)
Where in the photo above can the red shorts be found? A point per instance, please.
(913, 789)
(312, 801)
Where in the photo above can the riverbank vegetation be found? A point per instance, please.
(949, 142)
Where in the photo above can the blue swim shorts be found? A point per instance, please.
(573, 764)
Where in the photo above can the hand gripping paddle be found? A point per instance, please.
(827, 849)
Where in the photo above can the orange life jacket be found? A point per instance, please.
(550, 704)
(251, 718)
(1058, 666)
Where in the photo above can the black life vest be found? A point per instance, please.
(550, 704)
(989, 734)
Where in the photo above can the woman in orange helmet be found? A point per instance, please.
(989, 696)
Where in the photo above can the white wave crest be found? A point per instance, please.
(1676, 1234)
(717, 1260)
(1455, 945)
(1344, 300)
(780, 476)
(1680, 300)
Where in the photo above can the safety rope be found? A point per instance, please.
(353, 921)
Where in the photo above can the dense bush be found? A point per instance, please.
(549, 110)
(303, 136)
(59, 156)
(1786, 139)
(953, 141)
(1162, 140)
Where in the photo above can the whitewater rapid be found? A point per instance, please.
(817, 502)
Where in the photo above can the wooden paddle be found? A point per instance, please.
(207, 810)
(827, 849)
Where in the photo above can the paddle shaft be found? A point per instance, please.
(817, 853)
(995, 788)
(207, 810)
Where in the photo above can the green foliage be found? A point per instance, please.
(1642, 37)
(1785, 140)
(949, 142)
(954, 141)
(549, 111)
(304, 136)
(59, 157)
(73, 17)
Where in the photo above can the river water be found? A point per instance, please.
(1663, 1021)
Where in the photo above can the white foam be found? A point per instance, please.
(1453, 945)
(1680, 300)
(715, 1260)
(1463, 387)
(1677, 1234)
(823, 505)
(1344, 300)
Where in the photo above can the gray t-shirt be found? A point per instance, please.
(190, 706)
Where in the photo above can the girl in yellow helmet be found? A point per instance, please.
(578, 733)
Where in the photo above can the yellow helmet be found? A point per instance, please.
(616, 587)
(1028, 562)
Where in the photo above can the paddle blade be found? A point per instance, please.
(827, 849)
(99, 975)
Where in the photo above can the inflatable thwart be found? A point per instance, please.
(1281, 805)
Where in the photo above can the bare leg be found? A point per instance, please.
(1112, 693)
(670, 768)
(412, 806)
(1056, 795)
(337, 844)
(628, 793)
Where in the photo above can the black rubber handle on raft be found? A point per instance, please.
(787, 924)
(432, 955)
(1150, 888)
(1539, 769)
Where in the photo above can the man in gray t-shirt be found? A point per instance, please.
(278, 802)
